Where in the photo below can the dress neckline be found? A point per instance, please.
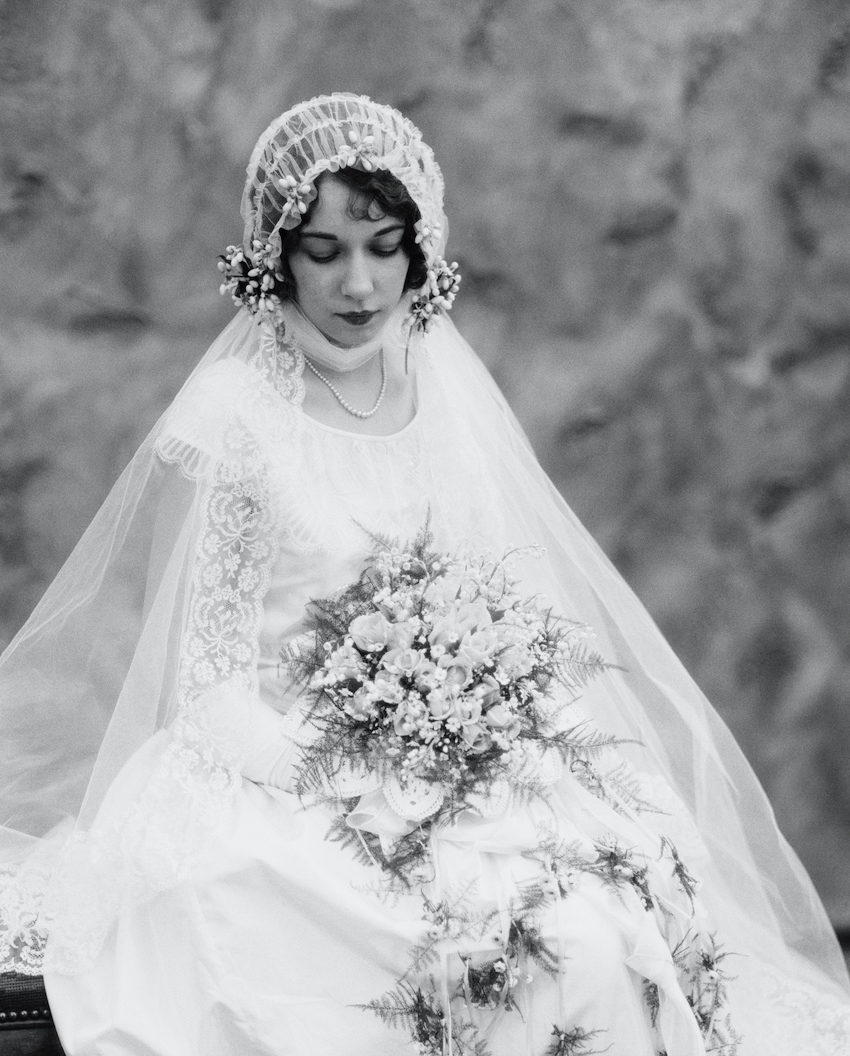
(371, 437)
(289, 360)
(349, 434)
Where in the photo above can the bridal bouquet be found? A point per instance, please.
(436, 688)
(434, 673)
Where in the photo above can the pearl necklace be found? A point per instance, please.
(343, 403)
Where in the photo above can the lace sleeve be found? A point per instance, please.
(235, 552)
(216, 433)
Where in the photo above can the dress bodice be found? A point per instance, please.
(365, 485)
(337, 490)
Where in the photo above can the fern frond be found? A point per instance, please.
(574, 1042)
(407, 1006)
(688, 883)
(451, 917)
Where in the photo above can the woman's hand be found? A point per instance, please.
(255, 732)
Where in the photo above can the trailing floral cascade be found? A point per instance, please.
(438, 692)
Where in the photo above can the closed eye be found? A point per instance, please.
(380, 250)
(385, 250)
(322, 258)
(322, 247)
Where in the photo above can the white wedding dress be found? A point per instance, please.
(276, 938)
(271, 937)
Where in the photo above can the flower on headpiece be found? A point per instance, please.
(427, 234)
(359, 150)
(437, 295)
(298, 197)
(250, 279)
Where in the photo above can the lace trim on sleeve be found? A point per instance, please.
(236, 549)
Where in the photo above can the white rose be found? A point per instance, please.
(467, 710)
(476, 647)
(404, 661)
(477, 738)
(401, 635)
(442, 591)
(370, 632)
(474, 615)
(445, 632)
(439, 704)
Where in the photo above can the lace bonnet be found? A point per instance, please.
(322, 135)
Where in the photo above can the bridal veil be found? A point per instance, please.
(101, 665)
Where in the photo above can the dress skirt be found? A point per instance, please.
(281, 937)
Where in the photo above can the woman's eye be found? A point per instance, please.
(384, 250)
(322, 258)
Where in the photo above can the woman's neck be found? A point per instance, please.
(327, 355)
(361, 389)
(372, 378)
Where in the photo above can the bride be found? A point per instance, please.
(257, 801)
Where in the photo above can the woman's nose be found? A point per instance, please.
(357, 281)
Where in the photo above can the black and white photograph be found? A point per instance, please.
(425, 528)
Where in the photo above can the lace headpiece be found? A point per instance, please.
(327, 134)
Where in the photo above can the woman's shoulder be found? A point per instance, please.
(217, 408)
(205, 402)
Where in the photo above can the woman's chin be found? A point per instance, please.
(350, 335)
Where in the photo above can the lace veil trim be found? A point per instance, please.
(287, 362)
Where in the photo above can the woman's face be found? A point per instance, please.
(349, 274)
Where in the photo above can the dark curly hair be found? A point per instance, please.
(372, 191)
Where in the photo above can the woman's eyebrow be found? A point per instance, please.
(334, 238)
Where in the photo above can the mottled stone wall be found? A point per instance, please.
(650, 201)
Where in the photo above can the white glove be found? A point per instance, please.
(252, 729)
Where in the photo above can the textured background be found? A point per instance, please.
(650, 203)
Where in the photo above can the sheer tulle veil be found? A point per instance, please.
(95, 672)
